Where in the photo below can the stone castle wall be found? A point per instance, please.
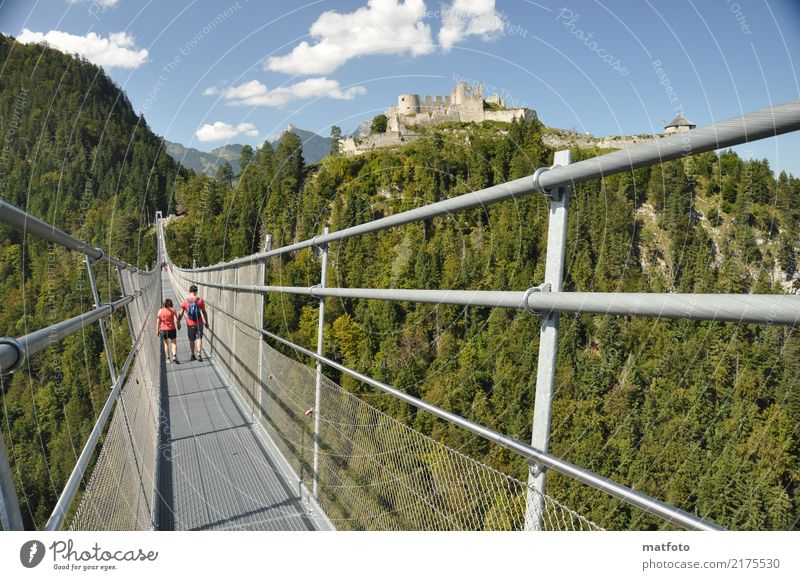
(570, 139)
(356, 146)
(565, 140)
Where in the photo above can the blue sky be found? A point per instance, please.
(207, 73)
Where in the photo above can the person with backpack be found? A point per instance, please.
(196, 319)
(166, 329)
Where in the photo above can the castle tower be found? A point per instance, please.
(459, 93)
(408, 104)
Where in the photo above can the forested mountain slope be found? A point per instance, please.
(74, 154)
(703, 415)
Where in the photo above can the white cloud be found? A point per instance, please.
(115, 51)
(380, 27)
(102, 3)
(254, 93)
(465, 18)
(220, 130)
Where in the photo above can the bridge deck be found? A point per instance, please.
(216, 472)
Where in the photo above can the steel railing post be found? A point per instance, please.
(318, 388)
(111, 370)
(262, 270)
(127, 307)
(548, 348)
(10, 514)
(216, 332)
(232, 353)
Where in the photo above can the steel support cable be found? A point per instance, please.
(756, 308)
(651, 505)
(71, 488)
(761, 124)
(20, 220)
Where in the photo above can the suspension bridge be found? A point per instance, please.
(252, 439)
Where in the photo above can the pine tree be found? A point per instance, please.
(336, 138)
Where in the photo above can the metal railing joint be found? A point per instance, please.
(13, 342)
(543, 287)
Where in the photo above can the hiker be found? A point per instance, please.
(196, 319)
(167, 319)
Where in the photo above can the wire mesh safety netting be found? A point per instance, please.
(121, 490)
(375, 473)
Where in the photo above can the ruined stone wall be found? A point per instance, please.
(434, 104)
(432, 117)
(508, 116)
(351, 146)
(471, 111)
(570, 139)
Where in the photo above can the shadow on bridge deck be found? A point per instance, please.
(215, 471)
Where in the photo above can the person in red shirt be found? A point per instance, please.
(196, 318)
(167, 319)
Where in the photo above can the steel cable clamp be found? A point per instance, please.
(536, 468)
(92, 260)
(543, 287)
(551, 194)
(20, 354)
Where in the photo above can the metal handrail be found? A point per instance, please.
(73, 483)
(21, 220)
(753, 126)
(651, 505)
(14, 352)
(755, 308)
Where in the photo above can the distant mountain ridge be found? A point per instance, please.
(315, 148)
(203, 162)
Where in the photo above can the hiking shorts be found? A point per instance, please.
(195, 332)
(169, 334)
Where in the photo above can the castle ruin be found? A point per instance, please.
(465, 104)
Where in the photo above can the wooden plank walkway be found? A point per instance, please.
(215, 470)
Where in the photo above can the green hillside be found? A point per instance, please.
(77, 156)
(699, 414)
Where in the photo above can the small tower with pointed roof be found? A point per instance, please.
(679, 124)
